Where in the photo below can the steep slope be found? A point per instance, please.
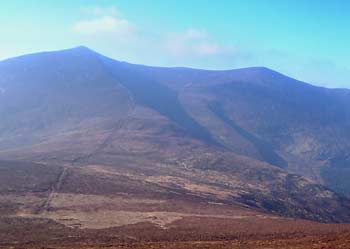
(290, 124)
(48, 93)
(166, 130)
(263, 114)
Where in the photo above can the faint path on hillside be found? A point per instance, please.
(54, 188)
(102, 145)
(109, 138)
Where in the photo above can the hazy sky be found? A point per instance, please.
(306, 39)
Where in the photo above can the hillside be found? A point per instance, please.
(91, 143)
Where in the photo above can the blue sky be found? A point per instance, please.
(306, 39)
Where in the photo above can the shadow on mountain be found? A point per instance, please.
(266, 151)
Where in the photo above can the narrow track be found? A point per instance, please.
(109, 138)
(55, 187)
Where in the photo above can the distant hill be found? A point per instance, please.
(249, 137)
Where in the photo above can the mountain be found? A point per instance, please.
(82, 135)
(254, 112)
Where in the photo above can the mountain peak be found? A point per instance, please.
(260, 71)
(82, 49)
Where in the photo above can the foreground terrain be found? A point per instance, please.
(97, 206)
(324, 242)
(190, 234)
